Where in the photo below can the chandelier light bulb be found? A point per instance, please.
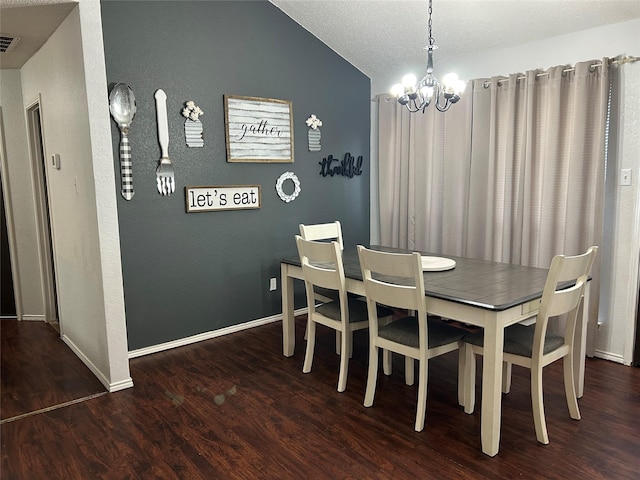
(397, 90)
(450, 80)
(409, 81)
(460, 87)
(426, 91)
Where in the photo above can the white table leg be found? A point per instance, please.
(288, 323)
(580, 344)
(492, 386)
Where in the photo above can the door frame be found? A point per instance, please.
(11, 231)
(44, 225)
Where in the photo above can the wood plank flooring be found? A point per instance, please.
(38, 371)
(235, 408)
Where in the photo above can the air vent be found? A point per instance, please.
(7, 42)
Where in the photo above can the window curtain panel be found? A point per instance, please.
(424, 176)
(514, 172)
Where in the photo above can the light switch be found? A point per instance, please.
(625, 177)
(55, 161)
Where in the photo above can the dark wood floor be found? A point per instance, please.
(235, 408)
(38, 371)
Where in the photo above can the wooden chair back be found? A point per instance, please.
(323, 231)
(393, 279)
(322, 267)
(559, 299)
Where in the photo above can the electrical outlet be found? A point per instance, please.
(273, 284)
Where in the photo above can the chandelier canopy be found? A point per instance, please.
(417, 96)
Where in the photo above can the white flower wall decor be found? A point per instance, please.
(314, 135)
(193, 125)
(288, 197)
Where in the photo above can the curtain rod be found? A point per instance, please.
(486, 83)
(620, 61)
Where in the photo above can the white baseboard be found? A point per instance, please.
(614, 357)
(111, 387)
(122, 385)
(209, 335)
(34, 318)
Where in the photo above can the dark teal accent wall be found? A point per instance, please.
(185, 274)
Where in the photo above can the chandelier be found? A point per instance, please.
(418, 96)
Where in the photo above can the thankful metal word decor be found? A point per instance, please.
(349, 166)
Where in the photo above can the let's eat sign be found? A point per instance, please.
(227, 197)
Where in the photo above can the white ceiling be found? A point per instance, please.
(386, 38)
(382, 38)
(33, 22)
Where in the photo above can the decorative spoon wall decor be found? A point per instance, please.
(122, 105)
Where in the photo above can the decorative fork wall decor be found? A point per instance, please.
(165, 175)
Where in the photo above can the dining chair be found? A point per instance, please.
(331, 231)
(326, 232)
(397, 280)
(322, 267)
(534, 346)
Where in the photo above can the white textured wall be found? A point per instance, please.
(91, 306)
(19, 177)
(105, 194)
(615, 337)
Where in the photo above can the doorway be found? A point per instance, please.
(7, 295)
(43, 218)
(9, 307)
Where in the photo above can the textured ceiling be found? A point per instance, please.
(386, 39)
(382, 38)
(33, 22)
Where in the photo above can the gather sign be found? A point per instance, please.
(258, 129)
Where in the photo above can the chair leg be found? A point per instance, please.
(349, 344)
(372, 376)
(344, 361)
(570, 387)
(461, 372)
(421, 409)
(469, 379)
(386, 361)
(311, 343)
(538, 405)
(506, 377)
(409, 371)
(349, 335)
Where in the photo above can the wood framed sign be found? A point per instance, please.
(223, 197)
(258, 129)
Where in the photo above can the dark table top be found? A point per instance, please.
(480, 283)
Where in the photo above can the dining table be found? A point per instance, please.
(487, 294)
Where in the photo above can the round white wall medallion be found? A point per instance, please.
(296, 186)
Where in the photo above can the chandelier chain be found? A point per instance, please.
(431, 39)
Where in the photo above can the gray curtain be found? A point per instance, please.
(424, 177)
(514, 172)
